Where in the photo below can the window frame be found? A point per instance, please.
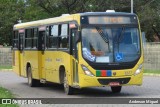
(31, 37)
(35, 46)
(49, 37)
(15, 32)
(60, 37)
(28, 38)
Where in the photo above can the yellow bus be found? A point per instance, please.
(80, 50)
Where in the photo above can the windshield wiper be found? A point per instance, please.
(120, 36)
(101, 33)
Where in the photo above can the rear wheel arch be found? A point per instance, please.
(61, 73)
(64, 80)
(31, 81)
(27, 66)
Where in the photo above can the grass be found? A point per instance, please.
(152, 71)
(5, 67)
(4, 93)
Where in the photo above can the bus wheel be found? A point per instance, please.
(68, 89)
(31, 82)
(116, 89)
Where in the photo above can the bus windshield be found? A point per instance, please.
(102, 44)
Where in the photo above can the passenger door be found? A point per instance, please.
(21, 49)
(41, 49)
(74, 53)
(16, 53)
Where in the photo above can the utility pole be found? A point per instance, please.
(131, 6)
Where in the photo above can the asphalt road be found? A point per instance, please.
(19, 87)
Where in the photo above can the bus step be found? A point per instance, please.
(76, 85)
(42, 81)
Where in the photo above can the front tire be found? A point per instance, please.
(68, 89)
(31, 82)
(116, 89)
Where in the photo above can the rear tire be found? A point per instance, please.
(116, 89)
(68, 89)
(31, 82)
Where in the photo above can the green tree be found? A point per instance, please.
(11, 11)
(14, 10)
(33, 12)
(148, 12)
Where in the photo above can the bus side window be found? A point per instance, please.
(35, 37)
(64, 36)
(42, 33)
(47, 37)
(28, 38)
(52, 37)
(21, 41)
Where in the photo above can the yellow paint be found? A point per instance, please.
(53, 61)
(21, 59)
(16, 66)
(87, 81)
(31, 57)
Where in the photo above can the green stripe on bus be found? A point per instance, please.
(98, 73)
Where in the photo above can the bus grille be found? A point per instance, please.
(107, 81)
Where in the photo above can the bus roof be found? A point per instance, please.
(44, 22)
(106, 13)
(64, 18)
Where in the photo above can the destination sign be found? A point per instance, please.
(110, 20)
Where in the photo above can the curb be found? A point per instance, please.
(6, 69)
(150, 74)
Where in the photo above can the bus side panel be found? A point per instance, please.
(64, 59)
(53, 61)
(31, 57)
(34, 63)
(51, 66)
(16, 59)
(21, 60)
(41, 62)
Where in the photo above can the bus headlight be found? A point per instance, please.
(87, 71)
(138, 71)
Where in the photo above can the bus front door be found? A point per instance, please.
(74, 53)
(41, 48)
(21, 48)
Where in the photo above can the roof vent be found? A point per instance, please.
(65, 14)
(110, 10)
(19, 21)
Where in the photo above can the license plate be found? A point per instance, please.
(114, 84)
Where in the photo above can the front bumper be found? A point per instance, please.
(87, 81)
